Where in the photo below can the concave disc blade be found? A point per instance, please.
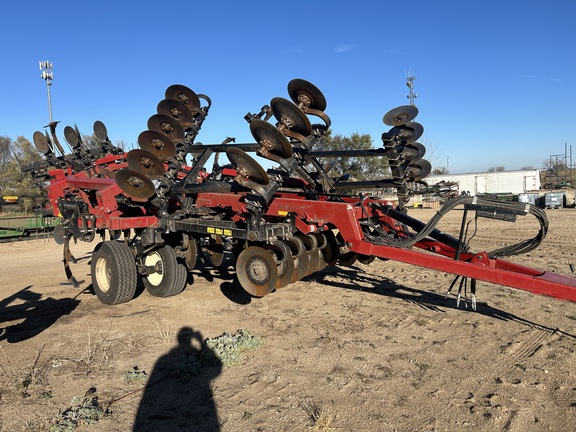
(400, 115)
(270, 137)
(307, 94)
(166, 125)
(418, 170)
(246, 166)
(71, 137)
(41, 143)
(347, 259)
(183, 94)
(414, 151)
(330, 250)
(215, 250)
(134, 183)
(314, 255)
(100, 131)
(191, 254)
(300, 257)
(417, 131)
(256, 271)
(366, 259)
(410, 132)
(177, 110)
(59, 234)
(286, 112)
(145, 162)
(157, 143)
(284, 262)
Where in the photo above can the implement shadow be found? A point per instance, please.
(178, 395)
(38, 314)
(349, 278)
(230, 287)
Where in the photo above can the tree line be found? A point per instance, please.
(13, 155)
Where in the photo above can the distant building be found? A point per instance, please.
(499, 182)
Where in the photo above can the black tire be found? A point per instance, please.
(114, 275)
(170, 277)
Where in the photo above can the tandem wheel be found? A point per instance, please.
(166, 275)
(114, 275)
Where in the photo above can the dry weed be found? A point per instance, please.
(99, 349)
(167, 332)
(24, 379)
(321, 419)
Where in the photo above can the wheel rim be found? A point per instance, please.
(103, 274)
(152, 260)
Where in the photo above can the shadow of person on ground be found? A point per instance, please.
(178, 396)
(37, 313)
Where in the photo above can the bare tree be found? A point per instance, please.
(434, 155)
(554, 166)
(440, 170)
(498, 168)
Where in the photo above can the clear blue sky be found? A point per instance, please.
(495, 79)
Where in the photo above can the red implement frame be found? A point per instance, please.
(316, 215)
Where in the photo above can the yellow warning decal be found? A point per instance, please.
(282, 212)
(219, 231)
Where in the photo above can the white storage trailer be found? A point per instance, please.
(500, 182)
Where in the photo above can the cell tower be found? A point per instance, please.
(410, 77)
(48, 75)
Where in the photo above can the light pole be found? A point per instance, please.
(48, 75)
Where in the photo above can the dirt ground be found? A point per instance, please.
(364, 348)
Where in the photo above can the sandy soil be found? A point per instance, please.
(364, 348)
